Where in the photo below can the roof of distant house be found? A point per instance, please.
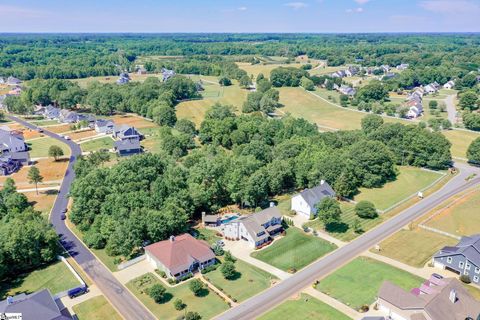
(39, 305)
(468, 246)
(436, 303)
(178, 253)
(314, 195)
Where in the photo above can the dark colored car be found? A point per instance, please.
(75, 292)
(436, 275)
(64, 210)
(63, 216)
(39, 129)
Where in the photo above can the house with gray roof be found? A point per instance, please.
(50, 112)
(304, 202)
(124, 78)
(346, 90)
(463, 259)
(39, 305)
(167, 74)
(67, 116)
(257, 228)
(12, 81)
(104, 126)
(127, 140)
(445, 299)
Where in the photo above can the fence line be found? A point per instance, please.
(131, 262)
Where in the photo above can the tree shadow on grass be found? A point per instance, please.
(237, 275)
(337, 227)
(203, 293)
(166, 297)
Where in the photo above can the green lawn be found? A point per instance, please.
(414, 247)
(295, 250)
(97, 308)
(207, 305)
(250, 280)
(208, 235)
(462, 218)
(56, 277)
(460, 140)
(43, 122)
(307, 307)
(344, 230)
(39, 147)
(358, 282)
(97, 144)
(409, 181)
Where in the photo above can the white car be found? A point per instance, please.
(67, 137)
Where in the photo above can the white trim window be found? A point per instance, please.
(467, 266)
(461, 264)
(449, 260)
(477, 270)
(475, 279)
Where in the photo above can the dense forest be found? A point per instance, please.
(244, 160)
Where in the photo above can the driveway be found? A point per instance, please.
(451, 109)
(259, 304)
(112, 289)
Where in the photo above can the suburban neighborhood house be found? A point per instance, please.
(257, 229)
(304, 202)
(436, 299)
(39, 305)
(14, 151)
(180, 255)
(463, 259)
(128, 140)
(449, 85)
(104, 126)
(414, 103)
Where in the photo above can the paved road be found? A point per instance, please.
(268, 299)
(119, 296)
(451, 110)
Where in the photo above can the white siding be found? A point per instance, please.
(300, 206)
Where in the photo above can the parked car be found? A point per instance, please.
(436, 275)
(39, 129)
(63, 216)
(64, 210)
(78, 291)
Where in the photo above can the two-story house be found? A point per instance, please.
(304, 202)
(463, 259)
(127, 140)
(257, 228)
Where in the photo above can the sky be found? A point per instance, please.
(240, 16)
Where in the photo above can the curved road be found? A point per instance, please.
(268, 299)
(117, 294)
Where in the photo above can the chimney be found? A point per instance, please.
(172, 238)
(453, 296)
(272, 204)
(322, 182)
(203, 216)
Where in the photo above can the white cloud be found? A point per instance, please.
(451, 6)
(361, 1)
(296, 5)
(356, 10)
(242, 8)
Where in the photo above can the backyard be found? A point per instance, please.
(97, 144)
(52, 172)
(409, 181)
(294, 251)
(97, 308)
(459, 217)
(357, 283)
(248, 281)
(56, 277)
(305, 307)
(208, 304)
(414, 247)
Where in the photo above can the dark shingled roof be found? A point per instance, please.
(315, 195)
(468, 247)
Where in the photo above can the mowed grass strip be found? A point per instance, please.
(460, 140)
(207, 305)
(461, 218)
(306, 307)
(358, 282)
(409, 181)
(97, 308)
(248, 281)
(97, 144)
(414, 247)
(294, 251)
(39, 147)
(56, 277)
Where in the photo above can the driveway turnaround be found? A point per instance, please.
(126, 304)
(268, 299)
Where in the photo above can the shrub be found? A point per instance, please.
(465, 278)
(364, 308)
(366, 210)
(218, 250)
(209, 269)
(196, 286)
(192, 316)
(157, 292)
(228, 270)
(161, 273)
(178, 304)
(172, 281)
(229, 257)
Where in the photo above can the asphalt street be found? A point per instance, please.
(116, 293)
(268, 299)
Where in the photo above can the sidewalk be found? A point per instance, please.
(242, 251)
(333, 303)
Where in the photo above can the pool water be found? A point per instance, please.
(227, 219)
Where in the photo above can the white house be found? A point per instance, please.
(104, 126)
(304, 202)
(449, 85)
(257, 228)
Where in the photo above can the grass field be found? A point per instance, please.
(249, 281)
(207, 305)
(414, 247)
(97, 308)
(263, 68)
(344, 230)
(358, 282)
(294, 251)
(306, 307)
(409, 181)
(39, 147)
(55, 277)
(460, 218)
(97, 144)
(460, 140)
(208, 235)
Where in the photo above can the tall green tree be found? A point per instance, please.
(55, 152)
(34, 177)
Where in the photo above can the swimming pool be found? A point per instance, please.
(228, 218)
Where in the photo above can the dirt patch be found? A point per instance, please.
(43, 201)
(59, 129)
(82, 134)
(49, 169)
(132, 120)
(27, 133)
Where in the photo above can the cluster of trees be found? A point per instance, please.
(265, 99)
(287, 76)
(242, 159)
(27, 240)
(473, 152)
